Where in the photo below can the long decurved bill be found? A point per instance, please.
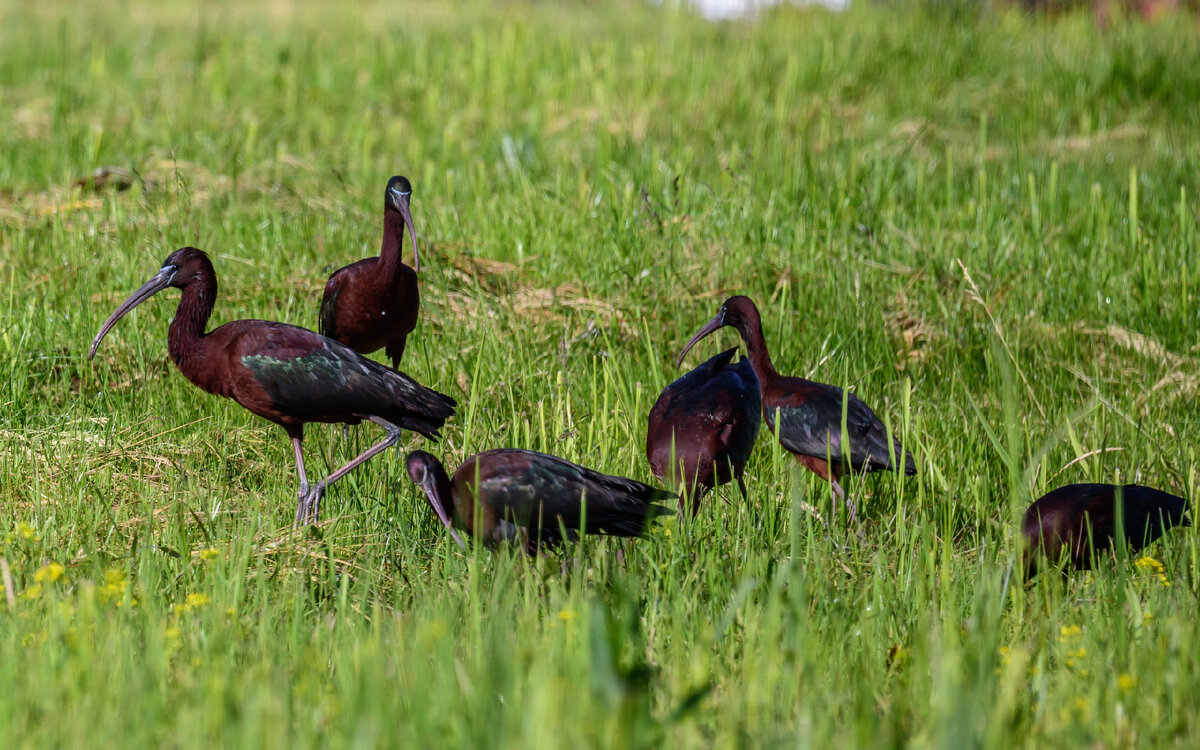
(159, 282)
(401, 200)
(709, 327)
(435, 502)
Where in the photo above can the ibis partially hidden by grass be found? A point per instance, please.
(701, 430)
(532, 500)
(1080, 522)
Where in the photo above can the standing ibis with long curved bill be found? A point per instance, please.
(283, 373)
(373, 303)
(703, 425)
(810, 415)
(533, 499)
(1077, 524)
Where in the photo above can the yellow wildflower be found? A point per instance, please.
(1068, 632)
(1150, 564)
(566, 615)
(31, 593)
(1154, 567)
(26, 531)
(50, 573)
(196, 600)
(1075, 655)
(1126, 682)
(192, 601)
(113, 588)
(209, 554)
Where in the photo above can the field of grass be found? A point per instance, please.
(983, 224)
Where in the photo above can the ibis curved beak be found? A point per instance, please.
(439, 507)
(156, 284)
(400, 201)
(709, 327)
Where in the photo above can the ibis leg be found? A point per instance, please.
(297, 437)
(840, 494)
(742, 486)
(851, 513)
(318, 490)
(821, 468)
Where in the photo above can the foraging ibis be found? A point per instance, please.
(1079, 522)
(810, 414)
(703, 425)
(283, 373)
(373, 303)
(533, 499)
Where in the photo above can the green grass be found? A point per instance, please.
(983, 224)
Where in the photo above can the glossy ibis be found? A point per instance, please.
(283, 373)
(533, 499)
(373, 303)
(703, 426)
(810, 414)
(1079, 522)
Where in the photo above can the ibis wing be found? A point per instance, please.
(715, 405)
(1149, 513)
(1095, 527)
(810, 424)
(550, 490)
(714, 365)
(314, 377)
(327, 318)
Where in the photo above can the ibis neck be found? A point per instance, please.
(185, 337)
(756, 349)
(393, 242)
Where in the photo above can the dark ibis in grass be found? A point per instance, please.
(703, 426)
(810, 414)
(533, 499)
(283, 373)
(372, 304)
(1078, 522)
